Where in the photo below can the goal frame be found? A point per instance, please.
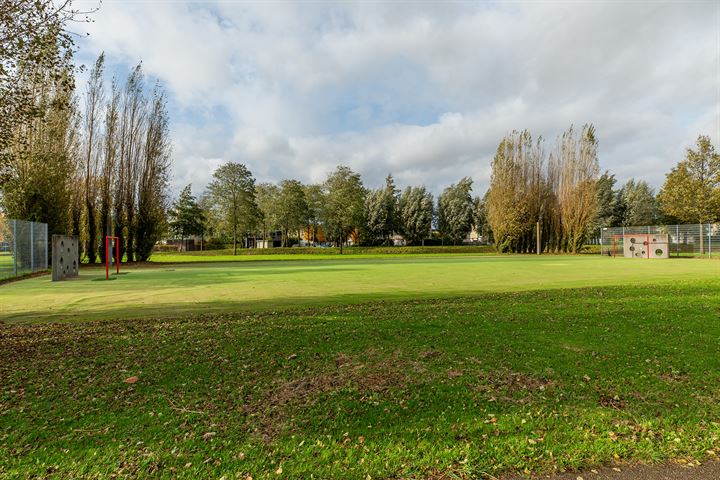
(108, 238)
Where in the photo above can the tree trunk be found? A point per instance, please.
(129, 249)
(234, 242)
(104, 229)
(92, 234)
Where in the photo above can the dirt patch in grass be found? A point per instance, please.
(363, 375)
(674, 377)
(513, 382)
(612, 401)
(428, 354)
(685, 470)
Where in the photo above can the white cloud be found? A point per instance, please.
(424, 91)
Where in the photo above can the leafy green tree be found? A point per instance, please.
(233, 197)
(415, 208)
(40, 180)
(455, 211)
(691, 191)
(610, 203)
(267, 195)
(343, 210)
(381, 211)
(480, 221)
(186, 216)
(640, 207)
(292, 207)
(35, 55)
(315, 199)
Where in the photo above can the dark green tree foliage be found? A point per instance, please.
(381, 208)
(292, 208)
(186, 216)
(233, 198)
(455, 211)
(343, 211)
(315, 198)
(266, 197)
(415, 208)
(610, 207)
(480, 221)
(639, 205)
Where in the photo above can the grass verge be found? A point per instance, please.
(471, 386)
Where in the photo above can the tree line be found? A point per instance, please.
(91, 163)
(562, 197)
(235, 207)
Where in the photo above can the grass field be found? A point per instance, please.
(270, 283)
(428, 367)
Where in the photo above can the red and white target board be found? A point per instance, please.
(642, 245)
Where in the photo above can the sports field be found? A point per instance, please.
(440, 366)
(169, 290)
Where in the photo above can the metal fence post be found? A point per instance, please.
(677, 240)
(46, 245)
(32, 246)
(14, 234)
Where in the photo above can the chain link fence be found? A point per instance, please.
(679, 240)
(23, 248)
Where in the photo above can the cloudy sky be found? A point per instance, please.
(419, 89)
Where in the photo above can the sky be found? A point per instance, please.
(422, 90)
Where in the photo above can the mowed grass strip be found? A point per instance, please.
(476, 386)
(171, 290)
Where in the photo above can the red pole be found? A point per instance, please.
(117, 254)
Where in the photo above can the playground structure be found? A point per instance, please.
(641, 245)
(65, 257)
(661, 241)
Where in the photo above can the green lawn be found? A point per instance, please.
(387, 367)
(170, 290)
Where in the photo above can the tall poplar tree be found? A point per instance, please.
(415, 209)
(455, 211)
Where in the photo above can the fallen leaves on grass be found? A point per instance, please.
(613, 401)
